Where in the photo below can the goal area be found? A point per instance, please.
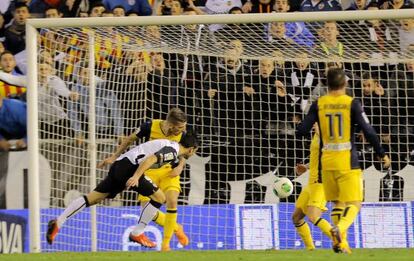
(244, 83)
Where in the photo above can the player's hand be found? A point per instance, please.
(300, 169)
(386, 162)
(132, 182)
(107, 161)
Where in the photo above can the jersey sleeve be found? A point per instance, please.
(361, 120)
(144, 131)
(306, 125)
(166, 155)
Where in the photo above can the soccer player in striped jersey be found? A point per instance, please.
(338, 116)
(127, 172)
(311, 201)
(166, 178)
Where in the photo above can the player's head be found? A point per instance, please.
(336, 79)
(176, 122)
(189, 142)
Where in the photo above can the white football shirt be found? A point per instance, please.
(165, 150)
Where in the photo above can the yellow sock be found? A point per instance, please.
(160, 220)
(347, 218)
(324, 226)
(336, 214)
(169, 224)
(305, 233)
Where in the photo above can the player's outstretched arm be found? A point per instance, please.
(307, 124)
(121, 148)
(143, 166)
(361, 119)
(176, 171)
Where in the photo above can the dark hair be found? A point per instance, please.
(336, 79)
(176, 115)
(189, 140)
(20, 5)
(118, 6)
(51, 8)
(188, 9)
(235, 8)
(4, 53)
(372, 4)
(97, 4)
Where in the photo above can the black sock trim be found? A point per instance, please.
(337, 209)
(317, 221)
(86, 201)
(155, 203)
(300, 224)
(142, 212)
(172, 211)
(76, 210)
(156, 216)
(346, 211)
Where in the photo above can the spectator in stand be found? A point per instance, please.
(13, 124)
(406, 36)
(402, 89)
(377, 105)
(53, 119)
(258, 6)
(52, 12)
(74, 8)
(358, 5)
(7, 88)
(395, 4)
(108, 113)
(142, 7)
(2, 49)
(291, 32)
(323, 5)
(97, 10)
(15, 33)
(222, 7)
(227, 80)
(162, 88)
(330, 45)
(304, 77)
(118, 11)
(295, 30)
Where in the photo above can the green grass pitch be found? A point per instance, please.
(281, 255)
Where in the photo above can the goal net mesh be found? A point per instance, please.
(244, 88)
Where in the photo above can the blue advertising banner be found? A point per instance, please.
(14, 234)
(212, 227)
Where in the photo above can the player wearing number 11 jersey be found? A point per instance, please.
(339, 116)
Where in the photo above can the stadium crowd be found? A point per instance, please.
(247, 107)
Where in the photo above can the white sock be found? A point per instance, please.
(147, 214)
(76, 206)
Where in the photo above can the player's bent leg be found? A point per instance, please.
(170, 217)
(303, 228)
(348, 216)
(74, 207)
(314, 215)
(148, 212)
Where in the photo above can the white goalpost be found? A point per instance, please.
(93, 81)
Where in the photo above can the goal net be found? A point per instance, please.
(244, 86)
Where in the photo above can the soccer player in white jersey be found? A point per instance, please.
(127, 172)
